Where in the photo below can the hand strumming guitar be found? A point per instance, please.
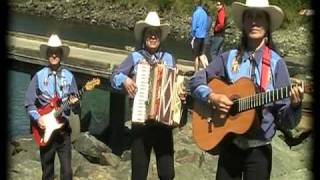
(73, 99)
(40, 122)
(220, 101)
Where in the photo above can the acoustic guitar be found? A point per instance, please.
(52, 116)
(209, 127)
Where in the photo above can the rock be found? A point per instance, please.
(27, 146)
(74, 121)
(126, 155)
(94, 172)
(190, 171)
(25, 170)
(109, 159)
(90, 147)
(185, 156)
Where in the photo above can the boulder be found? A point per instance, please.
(90, 147)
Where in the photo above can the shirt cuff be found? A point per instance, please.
(119, 79)
(202, 92)
(34, 115)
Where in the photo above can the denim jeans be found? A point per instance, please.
(216, 45)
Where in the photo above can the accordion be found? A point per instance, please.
(157, 97)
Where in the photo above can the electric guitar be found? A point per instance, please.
(51, 114)
(209, 126)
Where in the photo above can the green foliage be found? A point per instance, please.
(184, 7)
(165, 4)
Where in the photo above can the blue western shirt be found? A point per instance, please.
(42, 89)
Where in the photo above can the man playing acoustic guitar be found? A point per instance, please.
(49, 87)
(256, 61)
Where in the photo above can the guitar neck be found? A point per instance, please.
(256, 100)
(66, 103)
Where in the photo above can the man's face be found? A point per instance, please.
(255, 23)
(152, 38)
(54, 55)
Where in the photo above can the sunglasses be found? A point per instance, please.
(153, 32)
(56, 51)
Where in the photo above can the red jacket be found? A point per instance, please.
(219, 24)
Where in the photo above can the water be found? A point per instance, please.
(18, 120)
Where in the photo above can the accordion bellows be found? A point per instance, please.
(157, 97)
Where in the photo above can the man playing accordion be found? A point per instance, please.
(149, 33)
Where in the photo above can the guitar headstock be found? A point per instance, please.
(307, 85)
(91, 84)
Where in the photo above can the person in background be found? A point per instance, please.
(49, 82)
(248, 156)
(149, 135)
(198, 33)
(207, 41)
(218, 30)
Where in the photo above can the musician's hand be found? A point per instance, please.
(41, 123)
(296, 96)
(220, 101)
(73, 99)
(183, 95)
(130, 87)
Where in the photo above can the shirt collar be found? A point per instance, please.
(58, 71)
(257, 54)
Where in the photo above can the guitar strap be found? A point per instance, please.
(263, 85)
(55, 83)
(265, 68)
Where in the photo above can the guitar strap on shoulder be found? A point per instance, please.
(265, 68)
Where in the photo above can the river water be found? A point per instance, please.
(98, 35)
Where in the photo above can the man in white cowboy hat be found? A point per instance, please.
(249, 155)
(49, 83)
(149, 33)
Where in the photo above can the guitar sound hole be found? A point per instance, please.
(234, 108)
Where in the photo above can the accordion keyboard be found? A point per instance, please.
(139, 112)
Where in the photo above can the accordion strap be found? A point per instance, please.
(147, 56)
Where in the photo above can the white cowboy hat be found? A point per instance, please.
(275, 13)
(152, 20)
(54, 42)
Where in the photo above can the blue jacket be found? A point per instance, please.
(41, 89)
(223, 66)
(199, 23)
(129, 66)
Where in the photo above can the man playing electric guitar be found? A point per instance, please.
(49, 88)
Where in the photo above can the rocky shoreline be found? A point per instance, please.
(292, 41)
(93, 159)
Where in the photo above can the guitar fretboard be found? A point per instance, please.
(256, 100)
(66, 103)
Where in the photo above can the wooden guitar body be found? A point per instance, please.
(208, 126)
